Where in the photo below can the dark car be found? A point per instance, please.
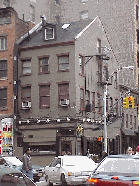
(16, 163)
(116, 170)
(13, 177)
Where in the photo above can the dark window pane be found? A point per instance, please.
(3, 102)
(3, 93)
(45, 101)
(44, 69)
(63, 66)
(26, 92)
(64, 89)
(49, 33)
(5, 42)
(44, 90)
(2, 43)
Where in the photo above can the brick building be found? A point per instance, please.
(11, 29)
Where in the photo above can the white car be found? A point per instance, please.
(69, 170)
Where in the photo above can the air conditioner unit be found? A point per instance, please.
(26, 104)
(64, 102)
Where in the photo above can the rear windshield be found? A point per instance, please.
(13, 161)
(120, 165)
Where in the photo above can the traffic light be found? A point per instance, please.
(125, 103)
(131, 101)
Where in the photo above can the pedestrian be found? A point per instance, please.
(137, 151)
(27, 164)
(129, 151)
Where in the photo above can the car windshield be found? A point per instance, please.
(13, 161)
(120, 165)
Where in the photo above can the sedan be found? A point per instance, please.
(116, 170)
(17, 163)
(69, 170)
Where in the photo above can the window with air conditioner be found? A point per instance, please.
(63, 94)
(26, 104)
(26, 97)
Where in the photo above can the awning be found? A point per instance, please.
(128, 132)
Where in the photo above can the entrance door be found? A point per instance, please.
(66, 147)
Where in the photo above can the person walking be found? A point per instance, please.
(27, 164)
(129, 151)
(137, 151)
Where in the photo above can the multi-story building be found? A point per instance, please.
(28, 10)
(11, 29)
(121, 24)
(61, 76)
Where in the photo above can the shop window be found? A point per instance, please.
(63, 63)
(3, 43)
(44, 65)
(3, 98)
(3, 69)
(63, 94)
(44, 96)
(26, 67)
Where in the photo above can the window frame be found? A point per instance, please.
(25, 98)
(5, 43)
(53, 34)
(25, 60)
(6, 69)
(82, 64)
(137, 12)
(59, 94)
(93, 101)
(63, 55)
(6, 98)
(32, 13)
(82, 106)
(40, 96)
(41, 58)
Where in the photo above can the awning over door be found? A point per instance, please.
(128, 132)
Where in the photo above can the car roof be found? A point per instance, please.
(123, 156)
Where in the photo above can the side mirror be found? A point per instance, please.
(58, 166)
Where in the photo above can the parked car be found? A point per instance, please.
(69, 170)
(10, 176)
(15, 162)
(116, 170)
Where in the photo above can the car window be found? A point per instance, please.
(120, 165)
(55, 162)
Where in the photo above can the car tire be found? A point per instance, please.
(63, 180)
(48, 181)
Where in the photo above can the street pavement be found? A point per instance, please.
(41, 182)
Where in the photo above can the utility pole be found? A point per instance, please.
(105, 130)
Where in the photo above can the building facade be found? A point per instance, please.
(62, 72)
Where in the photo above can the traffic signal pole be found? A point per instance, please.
(105, 129)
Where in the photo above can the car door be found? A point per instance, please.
(54, 170)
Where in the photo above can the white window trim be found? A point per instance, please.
(45, 34)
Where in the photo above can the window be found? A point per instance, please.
(99, 71)
(32, 13)
(3, 69)
(116, 100)
(137, 36)
(122, 119)
(93, 101)
(87, 97)
(134, 122)
(63, 92)
(44, 96)
(63, 63)
(126, 120)
(106, 73)
(44, 65)
(99, 106)
(84, 14)
(137, 12)
(26, 94)
(81, 65)
(49, 33)
(26, 67)
(98, 45)
(3, 98)
(131, 120)
(115, 80)
(3, 43)
(81, 99)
